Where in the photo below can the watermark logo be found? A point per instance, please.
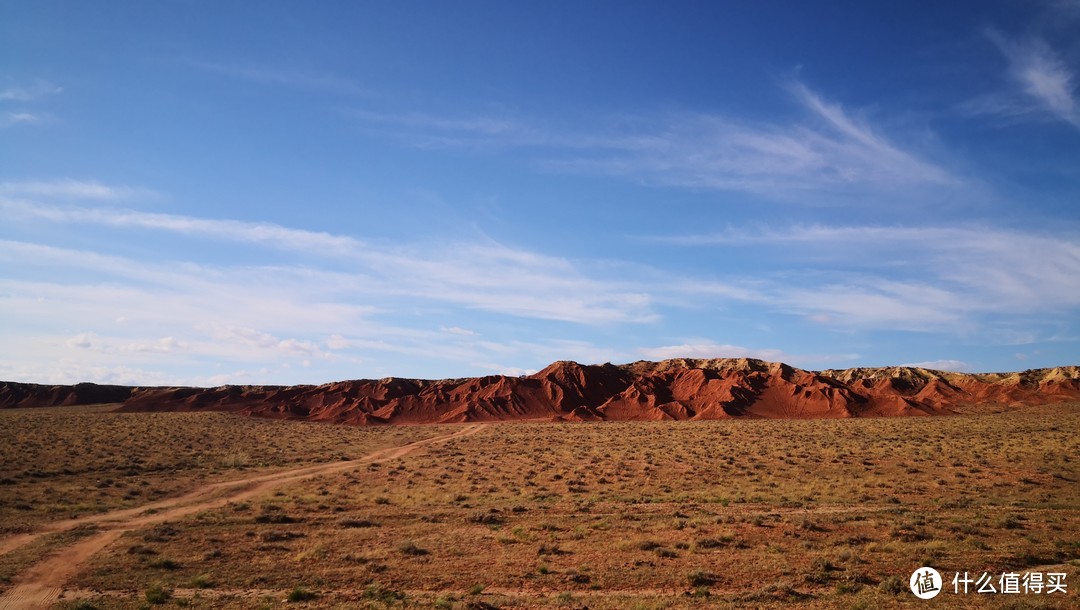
(925, 583)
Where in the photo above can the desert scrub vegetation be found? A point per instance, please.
(60, 462)
(827, 514)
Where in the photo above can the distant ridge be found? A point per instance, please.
(676, 389)
(14, 394)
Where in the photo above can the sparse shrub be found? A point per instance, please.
(203, 581)
(300, 594)
(648, 545)
(484, 519)
(165, 564)
(700, 578)
(379, 593)
(846, 587)
(277, 536)
(161, 533)
(349, 522)
(274, 517)
(892, 585)
(409, 547)
(1012, 522)
(476, 589)
(156, 594)
(774, 591)
(909, 534)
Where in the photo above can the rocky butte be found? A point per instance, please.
(678, 389)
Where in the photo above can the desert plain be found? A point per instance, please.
(110, 506)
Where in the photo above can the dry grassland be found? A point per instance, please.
(68, 461)
(821, 514)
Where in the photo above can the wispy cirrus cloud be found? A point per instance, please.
(703, 348)
(261, 74)
(486, 133)
(16, 118)
(706, 349)
(230, 230)
(1043, 84)
(916, 278)
(827, 151)
(831, 153)
(485, 275)
(474, 126)
(19, 97)
(956, 366)
(68, 188)
(29, 93)
(125, 318)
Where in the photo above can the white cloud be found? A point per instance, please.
(254, 338)
(956, 366)
(82, 340)
(874, 303)
(65, 189)
(470, 126)
(149, 315)
(487, 276)
(705, 349)
(163, 345)
(831, 153)
(23, 95)
(500, 369)
(457, 330)
(20, 118)
(69, 371)
(230, 230)
(914, 278)
(38, 89)
(1043, 80)
(710, 350)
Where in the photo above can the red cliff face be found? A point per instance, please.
(677, 389)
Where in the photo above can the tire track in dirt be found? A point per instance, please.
(43, 583)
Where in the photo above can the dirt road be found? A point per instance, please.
(42, 584)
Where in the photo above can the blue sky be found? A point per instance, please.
(287, 192)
